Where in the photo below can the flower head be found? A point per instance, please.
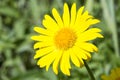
(114, 75)
(64, 39)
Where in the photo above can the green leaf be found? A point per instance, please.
(8, 11)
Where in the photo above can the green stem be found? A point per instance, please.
(89, 71)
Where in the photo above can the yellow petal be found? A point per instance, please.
(87, 46)
(86, 24)
(79, 13)
(77, 53)
(87, 54)
(85, 16)
(51, 58)
(47, 60)
(42, 44)
(43, 52)
(89, 35)
(66, 16)
(50, 24)
(92, 30)
(75, 59)
(41, 38)
(57, 17)
(81, 23)
(67, 59)
(63, 64)
(56, 61)
(84, 54)
(40, 30)
(78, 17)
(73, 15)
(80, 53)
(93, 21)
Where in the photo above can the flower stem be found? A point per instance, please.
(89, 71)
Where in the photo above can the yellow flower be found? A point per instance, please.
(64, 39)
(114, 75)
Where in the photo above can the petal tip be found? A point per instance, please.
(101, 36)
(47, 68)
(74, 4)
(35, 28)
(65, 5)
(35, 57)
(53, 10)
(32, 37)
(56, 72)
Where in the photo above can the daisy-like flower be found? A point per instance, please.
(65, 39)
(114, 75)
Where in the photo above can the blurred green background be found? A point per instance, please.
(17, 19)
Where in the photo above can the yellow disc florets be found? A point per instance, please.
(65, 38)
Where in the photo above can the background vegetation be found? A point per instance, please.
(17, 18)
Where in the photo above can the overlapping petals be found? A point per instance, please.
(77, 49)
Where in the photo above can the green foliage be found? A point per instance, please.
(17, 18)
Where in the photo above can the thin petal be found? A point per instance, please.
(93, 21)
(47, 60)
(78, 17)
(74, 59)
(40, 30)
(73, 15)
(43, 52)
(79, 56)
(67, 59)
(82, 23)
(56, 61)
(86, 24)
(42, 44)
(80, 11)
(87, 46)
(92, 30)
(41, 38)
(50, 24)
(85, 16)
(80, 53)
(89, 35)
(64, 65)
(57, 17)
(66, 16)
(51, 59)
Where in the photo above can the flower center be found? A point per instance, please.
(117, 78)
(65, 38)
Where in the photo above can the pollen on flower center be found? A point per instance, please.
(65, 38)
